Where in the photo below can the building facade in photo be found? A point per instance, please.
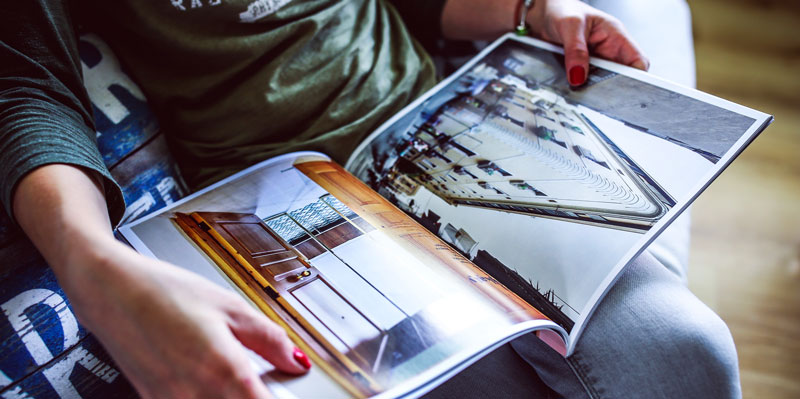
(512, 145)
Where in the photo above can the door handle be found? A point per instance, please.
(299, 276)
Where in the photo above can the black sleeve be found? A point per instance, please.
(45, 113)
(423, 18)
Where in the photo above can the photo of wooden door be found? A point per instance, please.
(274, 262)
(288, 277)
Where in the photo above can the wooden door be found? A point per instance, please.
(275, 263)
(287, 276)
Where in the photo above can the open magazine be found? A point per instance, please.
(502, 202)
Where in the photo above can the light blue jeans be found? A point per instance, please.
(650, 336)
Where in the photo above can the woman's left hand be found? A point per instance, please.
(582, 30)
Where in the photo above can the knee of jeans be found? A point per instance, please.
(661, 339)
(709, 338)
(697, 346)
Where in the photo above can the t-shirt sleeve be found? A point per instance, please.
(423, 18)
(45, 113)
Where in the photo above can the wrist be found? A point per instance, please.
(63, 211)
(535, 17)
(89, 264)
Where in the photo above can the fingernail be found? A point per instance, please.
(577, 75)
(302, 358)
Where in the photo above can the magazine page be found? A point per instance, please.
(381, 306)
(552, 189)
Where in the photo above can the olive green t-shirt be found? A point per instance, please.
(232, 82)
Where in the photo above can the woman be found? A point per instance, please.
(232, 83)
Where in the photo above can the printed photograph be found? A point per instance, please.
(539, 183)
(374, 295)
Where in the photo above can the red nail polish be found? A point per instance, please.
(577, 75)
(301, 358)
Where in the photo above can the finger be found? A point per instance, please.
(576, 53)
(634, 57)
(230, 371)
(270, 341)
(254, 387)
(641, 64)
(248, 386)
(630, 54)
(611, 41)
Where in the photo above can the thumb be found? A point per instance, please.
(270, 341)
(576, 52)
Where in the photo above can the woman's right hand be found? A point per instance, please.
(173, 333)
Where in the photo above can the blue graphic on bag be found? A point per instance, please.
(123, 120)
(128, 135)
(154, 187)
(45, 352)
(33, 304)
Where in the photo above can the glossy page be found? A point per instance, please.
(380, 304)
(549, 188)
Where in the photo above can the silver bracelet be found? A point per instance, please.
(524, 6)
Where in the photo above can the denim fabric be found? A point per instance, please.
(501, 374)
(652, 338)
(649, 338)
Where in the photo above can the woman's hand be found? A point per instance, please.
(580, 28)
(172, 333)
(584, 30)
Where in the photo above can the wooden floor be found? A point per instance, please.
(745, 260)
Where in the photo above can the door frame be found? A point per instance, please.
(342, 369)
